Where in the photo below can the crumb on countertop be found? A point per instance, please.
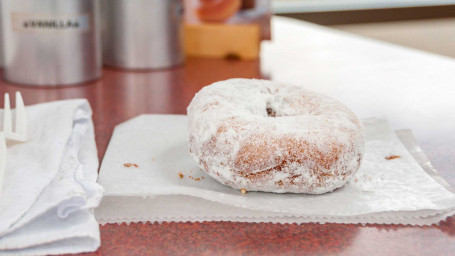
(243, 191)
(180, 175)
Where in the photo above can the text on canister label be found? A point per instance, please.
(26, 22)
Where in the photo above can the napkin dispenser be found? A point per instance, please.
(51, 42)
(142, 34)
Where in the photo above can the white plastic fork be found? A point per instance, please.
(20, 133)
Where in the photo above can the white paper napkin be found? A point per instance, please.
(383, 191)
(50, 186)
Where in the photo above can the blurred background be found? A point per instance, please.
(427, 25)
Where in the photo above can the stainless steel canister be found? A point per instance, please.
(142, 34)
(1, 38)
(51, 42)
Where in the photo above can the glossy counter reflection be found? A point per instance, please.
(227, 238)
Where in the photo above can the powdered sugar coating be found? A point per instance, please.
(273, 137)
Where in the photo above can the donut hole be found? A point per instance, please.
(277, 106)
(271, 112)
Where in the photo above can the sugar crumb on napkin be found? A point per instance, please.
(391, 157)
(181, 176)
(130, 165)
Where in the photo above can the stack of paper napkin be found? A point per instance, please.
(49, 188)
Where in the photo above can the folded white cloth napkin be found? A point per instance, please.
(49, 187)
(398, 191)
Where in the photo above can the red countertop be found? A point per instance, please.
(121, 95)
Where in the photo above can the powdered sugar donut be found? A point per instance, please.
(264, 136)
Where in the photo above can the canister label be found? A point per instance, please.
(30, 22)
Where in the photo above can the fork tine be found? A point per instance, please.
(2, 159)
(21, 119)
(7, 116)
